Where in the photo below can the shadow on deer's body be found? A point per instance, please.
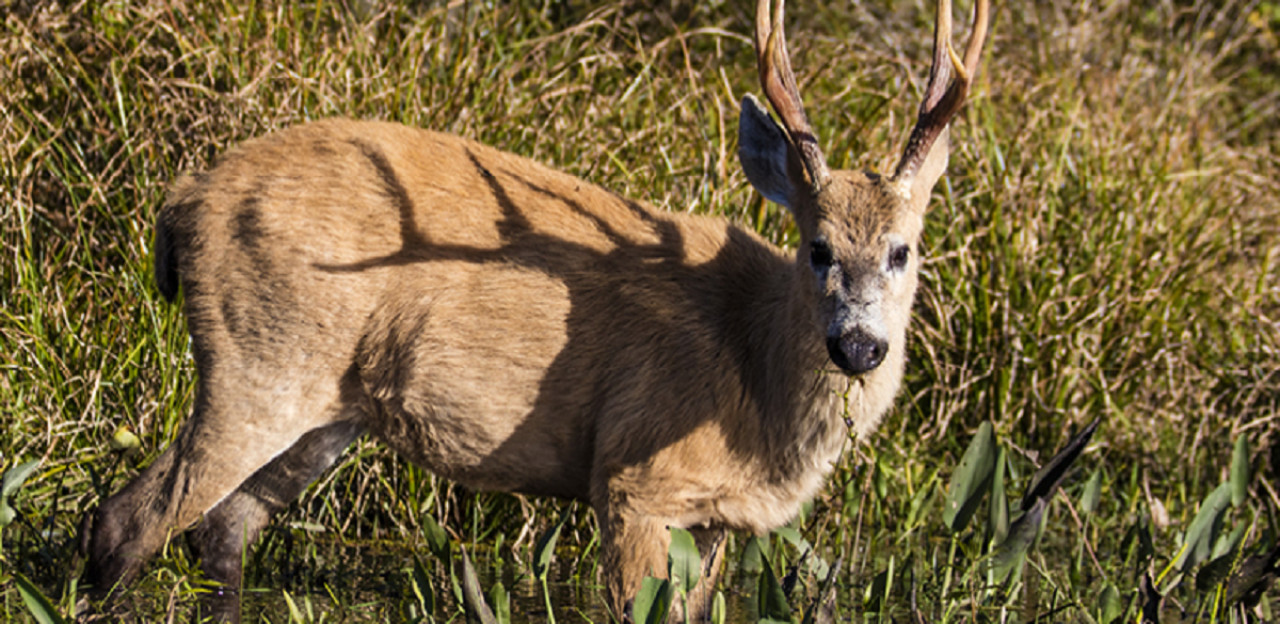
(517, 329)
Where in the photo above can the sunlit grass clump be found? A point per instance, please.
(1105, 246)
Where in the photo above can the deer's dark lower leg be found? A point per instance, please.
(219, 540)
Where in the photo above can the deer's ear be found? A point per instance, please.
(763, 152)
(931, 168)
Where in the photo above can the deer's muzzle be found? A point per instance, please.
(856, 351)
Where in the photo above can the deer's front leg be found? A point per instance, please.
(633, 546)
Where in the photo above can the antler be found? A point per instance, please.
(944, 95)
(779, 84)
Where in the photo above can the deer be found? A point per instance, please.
(513, 328)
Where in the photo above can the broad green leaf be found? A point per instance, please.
(455, 583)
(812, 562)
(1203, 532)
(718, 608)
(1256, 574)
(1008, 556)
(1213, 572)
(14, 477)
(792, 535)
(1092, 493)
(1240, 471)
(1227, 543)
(7, 513)
(999, 516)
(684, 564)
(652, 601)
(752, 552)
(545, 547)
(501, 601)
(1047, 479)
(1109, 606)
(472, 596)
(422, 587)
(772, 599)
(10, 483)
(39, 605)
(437, 538)
(970, 480)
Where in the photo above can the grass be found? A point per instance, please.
(1106, 244)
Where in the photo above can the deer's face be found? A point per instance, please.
(862, 252)
(859, 237)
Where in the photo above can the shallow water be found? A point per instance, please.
(359, 583)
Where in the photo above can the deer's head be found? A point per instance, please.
(859, 231)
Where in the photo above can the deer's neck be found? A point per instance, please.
(797, 395)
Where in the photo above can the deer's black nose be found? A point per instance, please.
(857, 352)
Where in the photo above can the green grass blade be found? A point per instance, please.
(295, 614)
(999, 511)
(1240, 473)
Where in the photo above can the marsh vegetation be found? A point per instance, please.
(1105, 246)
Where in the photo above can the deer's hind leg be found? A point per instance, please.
(219, 540)
(235, 429)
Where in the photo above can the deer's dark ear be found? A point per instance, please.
(763, 152)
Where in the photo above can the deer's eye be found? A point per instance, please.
(820, 254)
(898, 257)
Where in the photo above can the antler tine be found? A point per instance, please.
(973, 52)
(944, 95)
(779, 83)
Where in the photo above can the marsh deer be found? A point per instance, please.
(513, 328)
